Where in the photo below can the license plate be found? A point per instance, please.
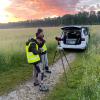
(70, 41)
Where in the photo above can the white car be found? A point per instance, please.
(74, 37)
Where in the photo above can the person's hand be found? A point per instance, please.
(41, 49)
(39, 42)
(58, 38)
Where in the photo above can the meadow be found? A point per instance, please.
(14, 69)
(83, 81)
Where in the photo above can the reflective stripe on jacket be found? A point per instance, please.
(44, 47)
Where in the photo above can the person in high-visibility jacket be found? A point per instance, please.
(43, 54)
(33, 57)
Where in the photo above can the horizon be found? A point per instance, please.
(20, 10)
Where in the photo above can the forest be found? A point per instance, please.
(81, 18)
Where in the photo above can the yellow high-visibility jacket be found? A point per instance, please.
(32, 58)
(44, 47)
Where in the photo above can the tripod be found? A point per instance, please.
(60, 50)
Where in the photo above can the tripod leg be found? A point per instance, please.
(66, 60)
(63, 67)
(54, 57)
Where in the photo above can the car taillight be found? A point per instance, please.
(82, 39)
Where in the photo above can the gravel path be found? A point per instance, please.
(27, 91)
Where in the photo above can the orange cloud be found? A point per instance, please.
(36, 9)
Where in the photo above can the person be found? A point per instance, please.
(78, 37)
(65, 36)
(43, 54)
(33, 57)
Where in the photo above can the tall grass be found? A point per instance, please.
(90, 85)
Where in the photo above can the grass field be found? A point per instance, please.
(13, 64)
(84, 80)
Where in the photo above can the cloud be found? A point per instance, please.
(88, 5)
(36, 9)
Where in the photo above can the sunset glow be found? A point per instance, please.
(3, 13)
(19, 10)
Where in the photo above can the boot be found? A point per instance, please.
(36, 83)
(47, 70)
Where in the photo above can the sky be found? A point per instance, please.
(20, 10)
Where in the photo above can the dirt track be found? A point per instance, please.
(27, 91)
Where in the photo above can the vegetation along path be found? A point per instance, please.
(27, 91)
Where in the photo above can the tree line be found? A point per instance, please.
(82, 18)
